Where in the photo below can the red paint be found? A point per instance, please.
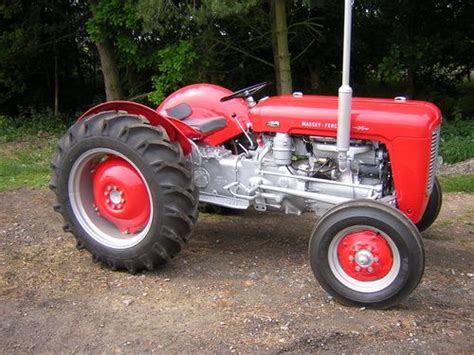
(121, 195)
(405, 128)
(204, 100)
(368, 241)
(151, 115)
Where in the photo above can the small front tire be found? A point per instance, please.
(365, 253)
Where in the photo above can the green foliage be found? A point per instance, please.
(457, 139)
(176, 68)
(226, 8)
(460, 183)
(30, 122)
(119, 22)
(391, 68)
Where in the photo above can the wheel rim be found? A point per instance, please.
(364, 259)
(110, 198)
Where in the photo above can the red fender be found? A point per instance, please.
(174, 133)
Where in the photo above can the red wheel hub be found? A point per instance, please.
(120, 195)
(365, 255)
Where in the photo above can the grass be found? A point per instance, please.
(27, 144)
(26, 163)
(458, 183)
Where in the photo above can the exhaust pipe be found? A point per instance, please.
(345, 97)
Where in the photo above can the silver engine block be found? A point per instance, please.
(293, 174)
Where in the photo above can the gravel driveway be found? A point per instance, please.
(242, 284)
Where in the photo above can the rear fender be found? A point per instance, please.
(204, 100)
(155, 119)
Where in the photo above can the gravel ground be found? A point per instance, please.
(242, 284)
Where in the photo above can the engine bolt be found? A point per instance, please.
(357, 268)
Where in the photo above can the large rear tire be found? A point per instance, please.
(124, 190)
(366, 253)
(433, 207)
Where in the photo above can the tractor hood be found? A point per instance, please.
(371, 118)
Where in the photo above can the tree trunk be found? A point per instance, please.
(56, 81)
(411, 79)
(113, 89)
(281, 55)
(108, 63)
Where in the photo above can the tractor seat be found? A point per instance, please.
(204, 125)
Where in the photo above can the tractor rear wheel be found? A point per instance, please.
(365, 253)
(124, 190)
(433, 207)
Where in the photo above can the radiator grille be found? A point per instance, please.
(435, 136)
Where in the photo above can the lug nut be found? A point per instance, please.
(109, 188)
(119, 206)
(370, 269)
(122, 200)
(107, 201)
(351, 258)
(357, 268)
(376, 259)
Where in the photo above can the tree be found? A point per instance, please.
(43, 55)
(97, 30)
(280, 48)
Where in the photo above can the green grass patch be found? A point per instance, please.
(458, 183)
(26, 163)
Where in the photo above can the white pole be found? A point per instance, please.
(345, 93)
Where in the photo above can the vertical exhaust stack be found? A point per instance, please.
(345, 98)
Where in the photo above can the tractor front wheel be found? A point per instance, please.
(124, 190)
(365, 253)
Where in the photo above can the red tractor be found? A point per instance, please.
(128, 178)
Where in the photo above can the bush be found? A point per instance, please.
(30, 122)
(457, 140)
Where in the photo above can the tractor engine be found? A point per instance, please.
(293, 174)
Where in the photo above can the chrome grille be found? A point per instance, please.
(435, 136)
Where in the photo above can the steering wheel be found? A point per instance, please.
(245, 92)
